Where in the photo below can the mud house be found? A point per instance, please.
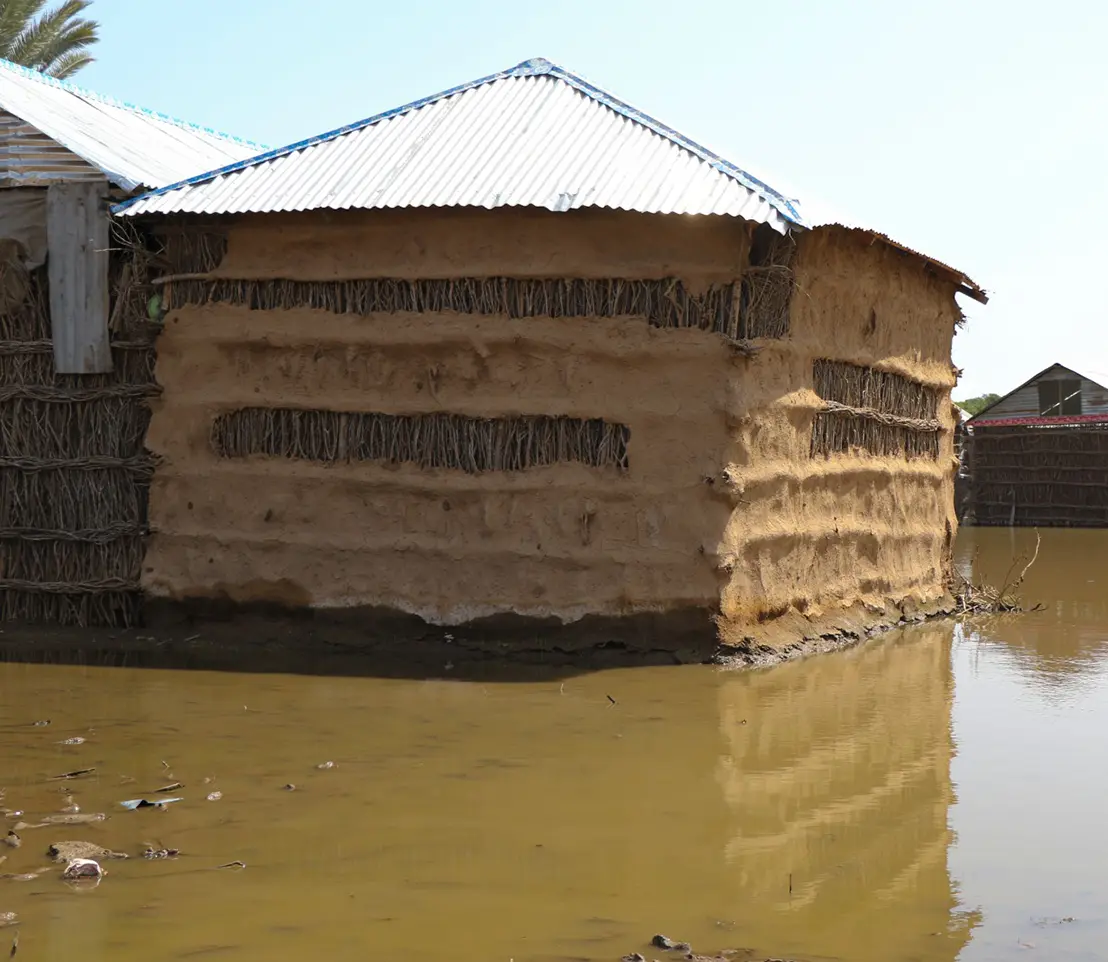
(519, 356)
(76, 359)
(1039, 455)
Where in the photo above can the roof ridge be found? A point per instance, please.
(535, 67)
(91, 95)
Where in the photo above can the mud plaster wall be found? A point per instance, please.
(778, 532)
(565, 540)
(819, 535)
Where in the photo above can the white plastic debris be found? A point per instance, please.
(83, 868)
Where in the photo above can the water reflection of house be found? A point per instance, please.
(838, 777)
(1039, 455)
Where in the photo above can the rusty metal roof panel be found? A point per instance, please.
(535, 135)
(131, 146)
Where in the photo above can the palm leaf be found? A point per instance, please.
(14, 17)
(54, 42)
(69, 64)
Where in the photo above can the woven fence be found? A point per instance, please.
(1046, 477)
(74, 474)
(451, 441)
(875, 412)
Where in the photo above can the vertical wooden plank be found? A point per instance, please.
(77, 241)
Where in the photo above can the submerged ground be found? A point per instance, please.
(935, 794)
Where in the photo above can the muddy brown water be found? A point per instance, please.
(936, 794)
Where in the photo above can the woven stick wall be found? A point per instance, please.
(769, 284)
(1047, 477)
(882, 414)
(451, 441)
(74, 475)
(664, 303)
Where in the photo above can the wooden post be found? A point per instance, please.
(77, 267)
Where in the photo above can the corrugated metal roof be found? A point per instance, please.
(133, 147)
(535, 135)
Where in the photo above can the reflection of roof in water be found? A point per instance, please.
(840, 779)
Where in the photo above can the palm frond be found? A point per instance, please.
(46, 42)
(14, 17)
(68, 64)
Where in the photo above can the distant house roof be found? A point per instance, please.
(995, 414)
(133, 147)
(535, 135)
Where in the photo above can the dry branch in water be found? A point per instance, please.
(981, 599)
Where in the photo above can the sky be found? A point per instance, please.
(974, 131)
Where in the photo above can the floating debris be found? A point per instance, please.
(72, 851)
(1005, 598)
(156, 853)
(24, 876)
(289, 787)
(72, 819)
(215, 796)
(235, 864)
(12, 840)
(75, 740)
(77, 774)
(135, 803)
(41, 724)
(661, 942)
(83, 868)
(8, 918)
(324, 766)
(175, 787)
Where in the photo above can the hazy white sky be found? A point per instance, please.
(975, 131)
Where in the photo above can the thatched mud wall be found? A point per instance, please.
(468, 414)
(843, 469)
(74, 473)
(450, 449)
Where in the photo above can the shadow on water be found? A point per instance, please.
(369, 643)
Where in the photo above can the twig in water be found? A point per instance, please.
(611, 699)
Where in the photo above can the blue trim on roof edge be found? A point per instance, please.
(85, 93)
(536, 67)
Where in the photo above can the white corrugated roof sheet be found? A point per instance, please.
(535, 135)
(133, 147)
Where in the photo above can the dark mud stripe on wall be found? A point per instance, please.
(452, 441)
(758, 310)
(883, 414)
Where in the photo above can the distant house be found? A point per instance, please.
(1039, 455)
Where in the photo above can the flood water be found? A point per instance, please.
(936, 794)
